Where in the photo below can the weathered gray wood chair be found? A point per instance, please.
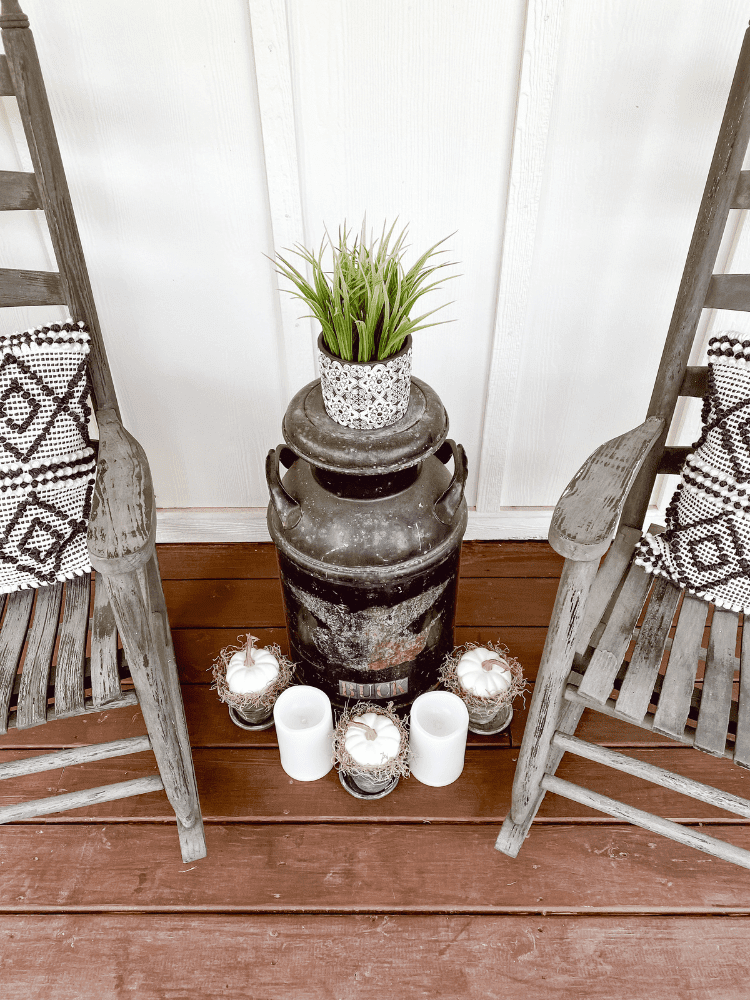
(587, 659)
(128, 595)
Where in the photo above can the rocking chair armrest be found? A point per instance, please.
(586, 515)
(122, 526)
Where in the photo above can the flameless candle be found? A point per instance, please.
(439, 722)
(304, 727)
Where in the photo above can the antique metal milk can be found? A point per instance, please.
(368, 527)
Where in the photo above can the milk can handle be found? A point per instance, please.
(287, 508)
(447, 504)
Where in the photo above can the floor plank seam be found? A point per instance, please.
(577, 911)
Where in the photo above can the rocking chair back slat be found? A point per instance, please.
(637, 688)
(673, 457)
(729, 292)
(677, 691)
(716, 700)
(695, 383)
(32, 692)
(742, 192)
(18, 190)
(31, 288)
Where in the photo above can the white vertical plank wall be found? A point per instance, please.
(563, 144)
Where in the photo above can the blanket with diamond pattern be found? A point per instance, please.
(706, 546)
(47, 464)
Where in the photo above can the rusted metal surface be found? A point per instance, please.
(369, 562)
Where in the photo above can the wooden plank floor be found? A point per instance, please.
(308, 893)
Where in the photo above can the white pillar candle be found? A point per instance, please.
(304, 727)
(439, 722)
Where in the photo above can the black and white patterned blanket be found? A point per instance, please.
(706, 546)
(47, 465)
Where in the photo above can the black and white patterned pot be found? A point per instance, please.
(366, 394)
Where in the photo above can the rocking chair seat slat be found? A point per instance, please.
(105, 677)
(742, 742)
(32, 693)
(71, 654)
(716, 701)
(638, 686)
(608, 577)
(677, 691)
(605, 662)
(12, 636)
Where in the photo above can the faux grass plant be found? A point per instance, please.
(364, 303)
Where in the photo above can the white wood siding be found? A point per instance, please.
(566, 143)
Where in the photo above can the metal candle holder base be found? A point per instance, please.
(486, 723)
(251, 720)
(377, 790)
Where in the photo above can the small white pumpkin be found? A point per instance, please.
(484, 672)
(251, 669)
(372, 739)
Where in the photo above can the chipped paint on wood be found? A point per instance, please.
(586, 515)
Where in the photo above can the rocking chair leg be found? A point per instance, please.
(511, 835)
(192, 839)
(155, 677)
(547, 701)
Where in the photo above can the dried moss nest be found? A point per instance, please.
(262, 700)
(449, 678)
(348, 765)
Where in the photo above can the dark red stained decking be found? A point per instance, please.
(308, 893)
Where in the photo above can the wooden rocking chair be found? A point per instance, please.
(128, 595)
(587, 660)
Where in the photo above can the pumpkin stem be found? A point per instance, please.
(249, 649)
(370, 732)
(491, 662)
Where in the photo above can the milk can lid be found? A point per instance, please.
(324, 443)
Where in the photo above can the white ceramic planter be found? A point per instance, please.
(366, 394)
